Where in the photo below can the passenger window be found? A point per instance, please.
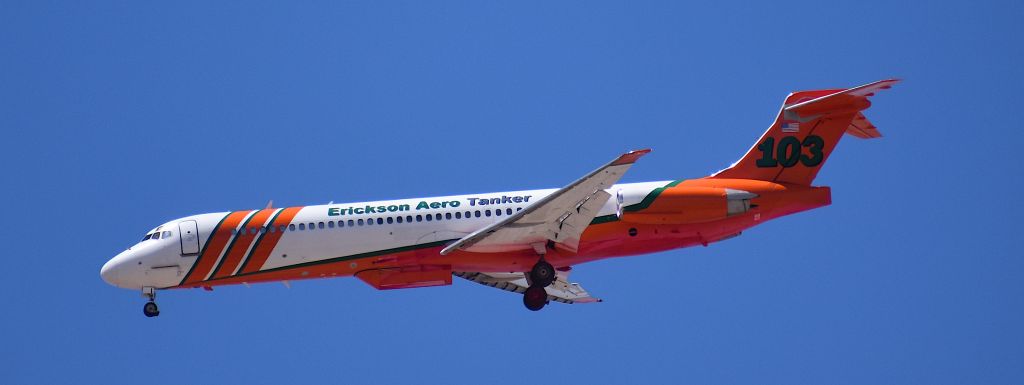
(458, 215)
(477, 213)
(302, 226)
(399, 219)
(341, 224)
(263, 230)
(447, 215)
(291, 227)
(391, 220)
(487, 212)
(312, 225)
(508, 211)
(497, 212)
(468, 214)
(519, 209)
(360, 222)
(408, 218)
(321, 225)
(330, 224)
(273, 229)
(369, 221)
(351, 223)
(253, 230)
(429, 217)
(419, 218)
(380, 221)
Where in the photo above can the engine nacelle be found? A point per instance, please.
(681, 205)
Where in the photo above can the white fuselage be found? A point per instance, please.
(321, 232)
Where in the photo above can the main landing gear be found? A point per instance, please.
(541, 275)
(150, 309)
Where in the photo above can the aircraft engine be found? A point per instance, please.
(691, 205)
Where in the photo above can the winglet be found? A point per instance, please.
(630, 157)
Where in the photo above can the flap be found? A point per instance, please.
(559, 291)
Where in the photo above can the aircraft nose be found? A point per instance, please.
(109, 271)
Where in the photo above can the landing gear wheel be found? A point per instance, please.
(150, 309)
(535, 297)
(542, 274)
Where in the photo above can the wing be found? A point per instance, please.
(560, 217)
(559, 291)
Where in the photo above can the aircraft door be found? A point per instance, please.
(189, 237)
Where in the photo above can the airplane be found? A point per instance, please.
(520, 241)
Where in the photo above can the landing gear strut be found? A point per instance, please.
(150, 309)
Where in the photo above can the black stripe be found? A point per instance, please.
(245, 259)
(205, 245)
(233, 240)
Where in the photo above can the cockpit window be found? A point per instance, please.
(157, 234)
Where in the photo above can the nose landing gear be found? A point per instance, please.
(150, 309)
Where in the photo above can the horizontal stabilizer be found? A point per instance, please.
(862, 128)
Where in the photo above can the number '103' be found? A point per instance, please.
(790, 150)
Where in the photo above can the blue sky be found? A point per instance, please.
(118, 116)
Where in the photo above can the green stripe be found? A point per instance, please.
(205, 245)
(245, 261)
(349, 257)
(647, 201)
(232, 245)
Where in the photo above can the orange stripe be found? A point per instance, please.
(215, 246)
(241, 243)
(262, 251)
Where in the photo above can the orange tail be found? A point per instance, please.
(806, 131)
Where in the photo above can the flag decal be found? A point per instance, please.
(791, 126)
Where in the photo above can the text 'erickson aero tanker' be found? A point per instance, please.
(520, 241)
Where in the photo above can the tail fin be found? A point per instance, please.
(806, 131)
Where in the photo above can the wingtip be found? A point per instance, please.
(631, 157)
(884, 84)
